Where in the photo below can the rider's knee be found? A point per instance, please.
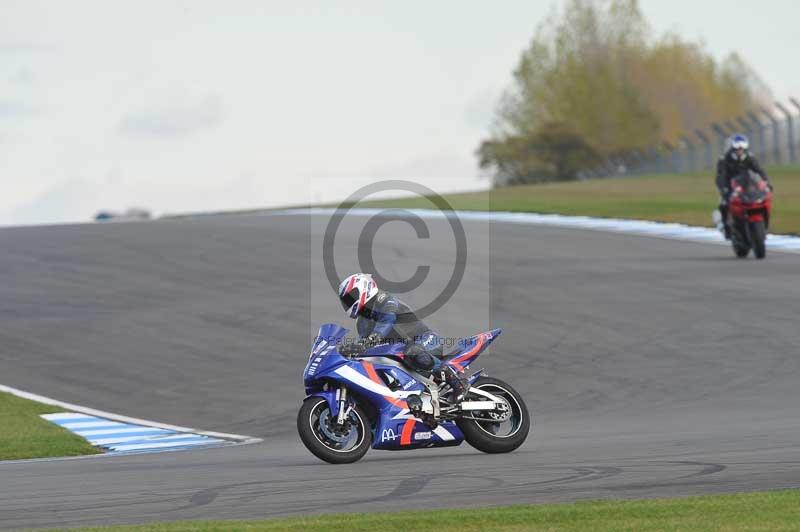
(423, 361)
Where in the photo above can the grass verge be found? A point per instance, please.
(774, 510)
(684, 198)
(23, 434)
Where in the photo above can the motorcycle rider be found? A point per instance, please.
(732, 163)
(383, 318)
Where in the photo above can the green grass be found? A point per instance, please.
(684, 198)
(23, 434)
(772, 511)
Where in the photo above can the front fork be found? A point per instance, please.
(341, 401)
(338, 401)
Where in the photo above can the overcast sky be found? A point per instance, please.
(195, 105)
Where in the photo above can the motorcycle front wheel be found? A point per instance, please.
(758, 236)
(740, 239)
(494, 433)
(328, 440)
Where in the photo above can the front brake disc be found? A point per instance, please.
(336, 435)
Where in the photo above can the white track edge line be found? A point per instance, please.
(565, 221)
(125, 419)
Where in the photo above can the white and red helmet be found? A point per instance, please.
(356, 291)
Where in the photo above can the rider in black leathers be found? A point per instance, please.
(384, 318)
(732, 163)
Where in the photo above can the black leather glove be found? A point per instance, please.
(373, 339)
(356, 348)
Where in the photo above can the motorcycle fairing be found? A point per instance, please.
(751, 199)
(395, 428)
(404, 432)
(471, 349)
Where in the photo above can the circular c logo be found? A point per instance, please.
(367, 238)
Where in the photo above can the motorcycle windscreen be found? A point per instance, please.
(328, 334)
(753, 187)
(324, 355)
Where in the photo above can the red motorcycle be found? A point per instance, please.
(749, 210)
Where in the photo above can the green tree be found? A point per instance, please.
(596, 74)
(554, 153)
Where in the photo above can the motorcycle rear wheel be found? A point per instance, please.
(491, 436)
(328, 441)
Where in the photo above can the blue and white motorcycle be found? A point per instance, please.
(354, 403)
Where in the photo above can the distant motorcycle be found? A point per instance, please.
(749, 210)
(374, 400)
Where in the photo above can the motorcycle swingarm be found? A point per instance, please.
(478, 405)
(492, 403)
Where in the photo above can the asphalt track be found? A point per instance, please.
(654, 367)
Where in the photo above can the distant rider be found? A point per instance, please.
(383, 318)
(736, 160)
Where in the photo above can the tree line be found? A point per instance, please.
(595, 81)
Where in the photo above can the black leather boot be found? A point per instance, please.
(457, 381)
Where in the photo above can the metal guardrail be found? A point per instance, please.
(773, 134)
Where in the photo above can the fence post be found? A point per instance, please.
(656, 151)
(642, 164)
(669, 159)
(720, 133)
(602, 169)
(689, 146)
(633, 162)
(649, 157)
(790, 130)
(705, 140)
(776, 148)
(795, 103)
(614, 162)
(627, 161)
(761, 142)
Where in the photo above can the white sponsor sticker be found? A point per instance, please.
(409, 384)
(388, 435)
(422, 436)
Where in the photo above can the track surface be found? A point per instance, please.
(654, 367)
